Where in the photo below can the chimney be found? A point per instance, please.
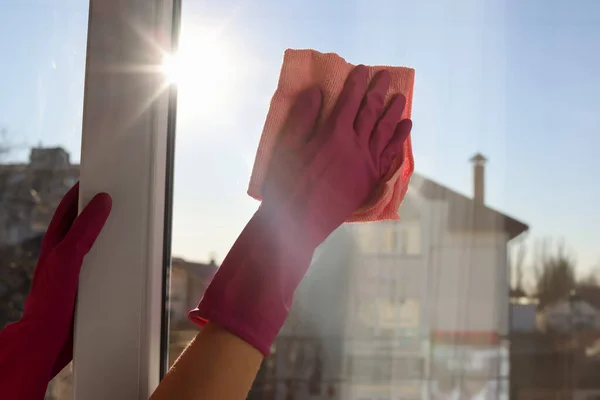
(213, 259)
(478, 161)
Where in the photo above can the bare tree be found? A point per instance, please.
(554, 270)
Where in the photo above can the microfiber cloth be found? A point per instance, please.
(303, 69)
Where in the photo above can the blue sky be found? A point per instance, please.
(515, 80)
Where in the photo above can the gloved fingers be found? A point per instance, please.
(372, 105)
(63, 218)
(300, 124)
(350, 98)
(395, 146)
(386, 126)
(87, 225)
(54, 285)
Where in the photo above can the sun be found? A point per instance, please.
(205, 70)
(170, 68)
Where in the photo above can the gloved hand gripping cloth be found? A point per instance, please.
(335, 148)
(303, 69)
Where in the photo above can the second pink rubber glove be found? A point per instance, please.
(317, 178)
(38, 346)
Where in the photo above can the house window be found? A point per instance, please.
(389, 239)
(410, 237)
(400, 238)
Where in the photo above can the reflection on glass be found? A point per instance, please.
(455, 300)
(41, 76)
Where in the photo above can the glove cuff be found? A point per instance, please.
(252, 291)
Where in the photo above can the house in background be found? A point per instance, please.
(571, 313)
(523, 314)
(437, 285)
(30, 192)
(409, 309)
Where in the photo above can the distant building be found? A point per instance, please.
(30, 192)
(523, 315)
(572, 313)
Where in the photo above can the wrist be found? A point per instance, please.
(252, 292)
(287, 226)
(298, 226)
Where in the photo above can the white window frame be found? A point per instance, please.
(127, 150)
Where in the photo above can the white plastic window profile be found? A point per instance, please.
(127, 152)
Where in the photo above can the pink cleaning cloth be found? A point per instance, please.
(303, 69)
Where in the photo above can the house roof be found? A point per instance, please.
(199, 270)
(584, 294)
(466, 215)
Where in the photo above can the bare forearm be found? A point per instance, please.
(216, 365)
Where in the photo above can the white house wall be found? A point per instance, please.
(469, 283)
(389, 278)
(461, 279)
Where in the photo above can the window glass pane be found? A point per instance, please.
(488, 276)
(42, 73)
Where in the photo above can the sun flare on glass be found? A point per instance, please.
(170, 68)
(204, 70)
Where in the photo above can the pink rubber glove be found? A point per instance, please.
(318, 177)
(38, 346)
